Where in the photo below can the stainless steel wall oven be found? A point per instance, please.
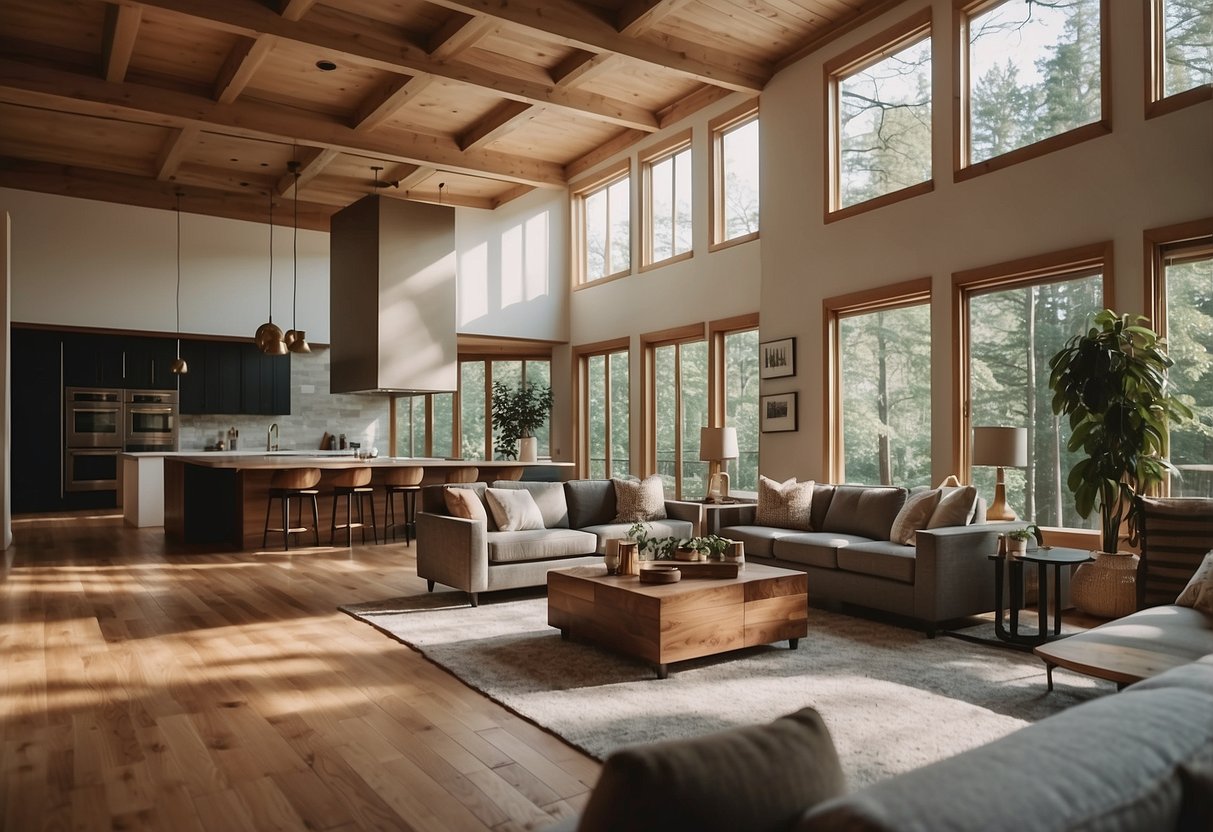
(150, 420)
(93, 438)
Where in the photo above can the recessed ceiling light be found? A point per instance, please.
(327, 66)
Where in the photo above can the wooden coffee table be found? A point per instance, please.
(663, 623)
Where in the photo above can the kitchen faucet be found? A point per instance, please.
(273, 430)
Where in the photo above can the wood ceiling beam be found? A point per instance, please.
(31, 86)
(238, 69)
(581, 66)
(118, 41)
(503, 119)
(418, 175)
(344, 35)
(173, 151)
(312, 162)
(386, 101)
(510, 195)
(456, 35)
(579, 25)
(294, 9)
(639, 15)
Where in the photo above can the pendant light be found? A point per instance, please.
(179, 367)
(268, 337)
(295, 339)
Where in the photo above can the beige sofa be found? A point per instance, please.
(475, 556)
(850, 559)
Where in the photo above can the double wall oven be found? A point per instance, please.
(101, 423)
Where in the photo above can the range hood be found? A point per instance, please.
(392, 298)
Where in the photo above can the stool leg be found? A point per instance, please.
(374, 525)
(410, 517)
(333, 521)
(389, 514)
(315, 519)
(349, 520)
(265, 533)
(286, 523)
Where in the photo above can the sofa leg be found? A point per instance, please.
(472, 597)
(430, 585)
(1049, 676)
(930, 631)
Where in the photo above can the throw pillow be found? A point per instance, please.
(955, 507)
(915, 514)
(514, 510)
(758, 778)
(785, 505)
(639, 500)
(465, 503)
(1191, 592)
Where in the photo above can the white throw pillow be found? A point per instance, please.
(515, 510)
(915, 514)
(1201, 579)
(637, 501)
(955, 507)
(784, 505)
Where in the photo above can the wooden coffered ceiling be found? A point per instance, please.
(468, 102)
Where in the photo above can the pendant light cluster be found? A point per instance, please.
(179, 367)
(268, 337)
(295, 339)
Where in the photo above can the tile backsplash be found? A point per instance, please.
(314, 410)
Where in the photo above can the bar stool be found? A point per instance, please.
(405, 481)
(285, 484)
(350, 483)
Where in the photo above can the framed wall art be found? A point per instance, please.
(778, 358)
(778, 413)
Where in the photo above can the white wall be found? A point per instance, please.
(1143, 175)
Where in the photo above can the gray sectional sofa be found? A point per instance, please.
(578, 519)
(849, 558)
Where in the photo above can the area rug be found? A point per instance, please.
(893, 699)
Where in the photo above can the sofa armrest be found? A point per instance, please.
(953, 575)
(453, 551)
(684, 510)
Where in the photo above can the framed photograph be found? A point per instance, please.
(778, 358)
(778, 413)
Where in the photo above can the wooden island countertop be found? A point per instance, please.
(220, 497)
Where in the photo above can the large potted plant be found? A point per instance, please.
(517, 413)
(1111, 381)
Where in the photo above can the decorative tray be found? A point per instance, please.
(709, 569)
(660, 574)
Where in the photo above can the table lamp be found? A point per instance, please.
(1001, 447)
(716, 445)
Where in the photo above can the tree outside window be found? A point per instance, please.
(607, 416)
(680, 410)
(1034, 71)
(738, 181)
(472, 401)
(1187, 40)
(669, 181)
(741, 406)
(1188, 287)
(606, 214)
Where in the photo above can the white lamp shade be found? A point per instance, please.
(1005, 447)
(717, 443)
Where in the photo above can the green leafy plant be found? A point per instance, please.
(1029, 531)
(518, 412)
(710, 546)
(1111, 381)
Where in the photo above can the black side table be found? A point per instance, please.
(1043, 557)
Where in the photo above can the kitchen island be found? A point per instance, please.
(220, 498)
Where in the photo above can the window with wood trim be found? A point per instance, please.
(603, 220)
(1011, 320)
(879, 100)
(666, 173)
(1182, 275)
(735, 175)
(1033, 78)
(878, 367)
(740, 369)
(605, 412)
(678, 386)
(1180, 53)
(424, 425)
(476, 377)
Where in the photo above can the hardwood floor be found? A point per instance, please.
(145, 688)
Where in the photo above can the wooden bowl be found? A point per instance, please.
(660, 575)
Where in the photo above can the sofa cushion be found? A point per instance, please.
(956, 507)
(639, 500)
(1070, 771)
(868, 511)
(656, 528)
(549, 496)
(785, 505)
(513, 509)
(539, 544)
(814, 548)
(823, 495)
(914, 515)
(590, 502)
(756, 778)
(880, 559)
(1199, 584)
(465, 503)
(759, 540)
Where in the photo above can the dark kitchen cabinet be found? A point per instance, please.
(148, 363)
(37, 419)
(234, 377)
(125, 361)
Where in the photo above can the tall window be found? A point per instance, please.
(880, 117)
(879, 369)
(1183, 277)
(606, 415)
(424, 425)
(603, 213)
(1032, 71)
(1013, 319)
(679, 390)
(1181, 51)
(476, 377)
(666, 172)
(741, 406)
(735, 183)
